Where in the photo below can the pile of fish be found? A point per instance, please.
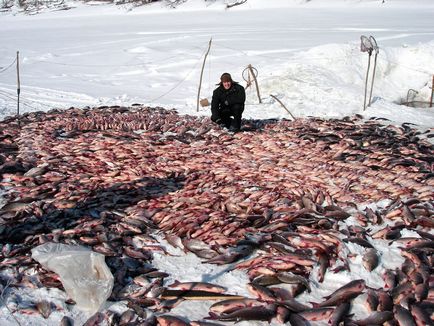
(271, 200)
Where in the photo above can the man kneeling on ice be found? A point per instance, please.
(227, 103)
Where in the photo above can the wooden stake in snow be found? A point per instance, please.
(366, 46)
(249, 80)
(18, 87)
(280, 102)
(201, 74)
(375, 48)
(256, 82)
(236, 3)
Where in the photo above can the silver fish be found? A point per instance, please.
(370, 259)
(230, 305)
(339, 314)
(265, 313)
(403, 316)
(197, 286)
(343, 294)
(375, 318)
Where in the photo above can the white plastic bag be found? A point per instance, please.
(83, 273)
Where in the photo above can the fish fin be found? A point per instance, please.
(174, 284)
(315, 305)
(212, 315)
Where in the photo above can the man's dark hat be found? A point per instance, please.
(226, 77)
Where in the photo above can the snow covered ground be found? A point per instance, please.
(307, 54)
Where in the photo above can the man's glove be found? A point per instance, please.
(226, 103)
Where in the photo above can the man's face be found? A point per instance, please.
(227, 84)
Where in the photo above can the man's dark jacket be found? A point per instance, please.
(224, 99)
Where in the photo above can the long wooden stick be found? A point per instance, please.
(249, 80)
(256, 83)
(201, 74)
(236, 4)
(366, 81)
(18, 88)
(374, 48)
(283, 106)
(197, 295)
(373, 78)
(432, 92)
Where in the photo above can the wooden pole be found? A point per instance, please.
(366, 81)
(373, 78)
(196, 295)
(375, 48)
(283, 106)
(236, 4)
(18, 88)
(201, 74)
(256, 82)
(249, 79)
(432, 92)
